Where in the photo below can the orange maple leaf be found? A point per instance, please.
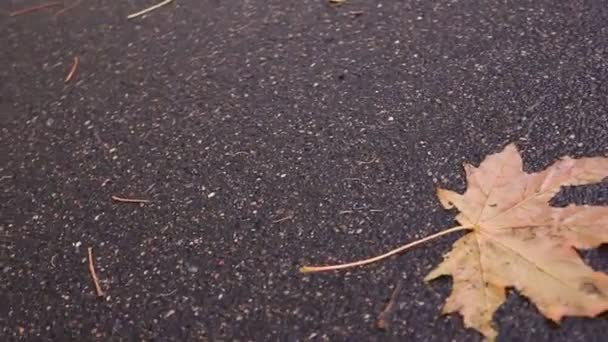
(518, 240)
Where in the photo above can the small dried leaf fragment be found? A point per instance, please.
(519, 240)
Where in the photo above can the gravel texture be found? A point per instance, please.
(232, 115)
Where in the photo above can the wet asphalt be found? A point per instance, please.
(266, 135)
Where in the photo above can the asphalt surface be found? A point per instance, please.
(251, 126)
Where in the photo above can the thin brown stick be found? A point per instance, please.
(94, 274)
(312, 269)
(35, 8)
(76, 3)
(73, 69)
(385, 316)
(130, 200)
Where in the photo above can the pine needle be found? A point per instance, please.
(34, 8)
(385, 316)
(98, 289)
(72, 70)
(313, 269)
(130, 200)
(76, 3)
(149, 9)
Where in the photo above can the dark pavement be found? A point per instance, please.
(232, 115)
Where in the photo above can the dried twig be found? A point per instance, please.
(130, 200)
(76, 3)
(73, 69)
(149, 9)
(384, 318)
(93, 274)
(35, 8)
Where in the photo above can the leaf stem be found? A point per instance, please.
(313, 269)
